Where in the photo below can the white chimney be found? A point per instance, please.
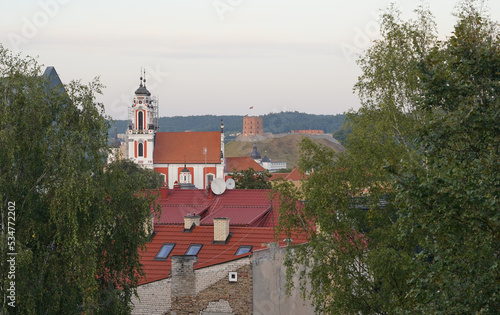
(190, 220)
(221, 229)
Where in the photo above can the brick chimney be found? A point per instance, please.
(221, 230)
(183, 277)
(190, 221)
(164, 191)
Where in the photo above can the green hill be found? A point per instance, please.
(284, 148)
(282, 122)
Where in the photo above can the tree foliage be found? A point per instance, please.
(449, 195)
(282, 122)
(408, 216)
(79, 223)
(251, 179)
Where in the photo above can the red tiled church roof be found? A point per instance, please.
(180, 147)
(210, 254)
(241, 163)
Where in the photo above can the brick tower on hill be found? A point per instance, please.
(252, 126)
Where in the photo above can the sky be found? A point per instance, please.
(218, 57)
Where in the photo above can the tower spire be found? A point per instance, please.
(140, 78)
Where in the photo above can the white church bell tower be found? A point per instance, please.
(142, 126)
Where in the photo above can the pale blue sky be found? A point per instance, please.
(209, 56)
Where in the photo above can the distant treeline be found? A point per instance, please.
(282, 122)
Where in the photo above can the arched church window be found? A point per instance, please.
(140, 118)
(140, 149)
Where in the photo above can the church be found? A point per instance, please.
(185, 159)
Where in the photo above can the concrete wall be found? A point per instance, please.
(269, 280)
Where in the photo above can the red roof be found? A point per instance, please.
(180, 147)
(294, 175)
(180, 202)
(252, 216)
(248, 207)
(241, 163)
(210, 254)
(275, 176)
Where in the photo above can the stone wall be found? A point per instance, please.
(223, 297)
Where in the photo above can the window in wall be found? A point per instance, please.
(140, 149)
(140, 118)
(209, 179)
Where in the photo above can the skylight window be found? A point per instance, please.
(164, 251)
(243, 250)
(194, 249)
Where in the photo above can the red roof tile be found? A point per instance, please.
(180, 202)
(251, 216)
(241, 163)
(294, 175)
(275, 176)
(175, 214)
(247, 207)
(210, 254)
(180, 147)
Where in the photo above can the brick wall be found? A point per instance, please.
(154, 298)
(183, 276)
(221, 229)
(222, 295)
(309, 131)
(252, 126)
(208, 276)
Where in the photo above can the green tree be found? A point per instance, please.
(450, 193)
(250, 179)
(408, 216)
(78, 223)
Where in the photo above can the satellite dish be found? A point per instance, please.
(230, 184)
(218, 186)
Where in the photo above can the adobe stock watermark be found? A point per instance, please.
(154, 77)
(222, 7)
(30, 27)
(363, 37)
